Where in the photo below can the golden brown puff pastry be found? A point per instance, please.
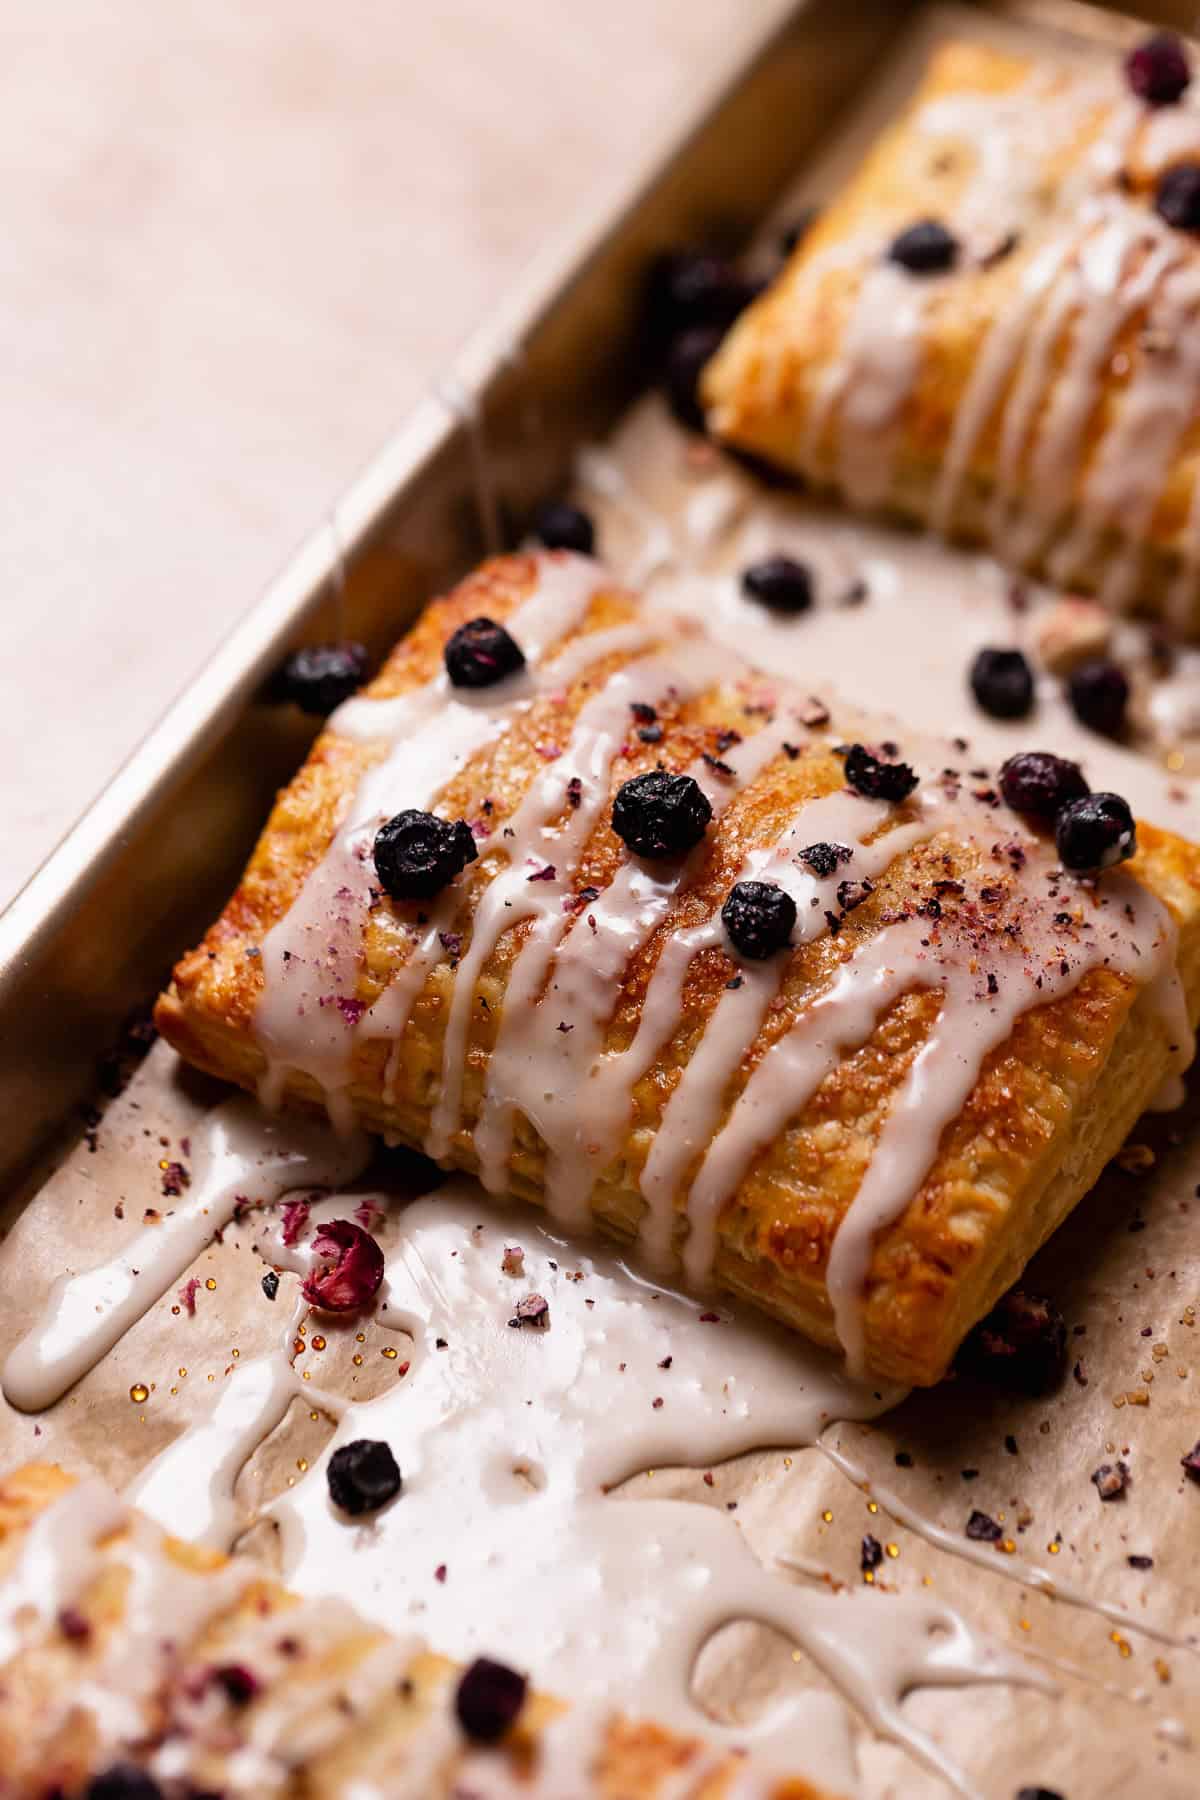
(1034, 384)
(124, 1648)
(860, 1090)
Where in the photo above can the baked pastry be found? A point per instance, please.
(124, 1650)
(995, 328)
(684, 952)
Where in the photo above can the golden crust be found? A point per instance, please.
(1052, 1104)
(47, 1744)
(766, 388)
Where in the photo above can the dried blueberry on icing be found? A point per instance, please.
(320, 676)
(779, 583)
(1177, 196)
(1040, 784)
(489, 1699)
(564, 527)
(347, 1267)
(1158, 70)
(123, 1782)
(824, 859)
(1038, 1793)
(363, 1476)
(681, 377)
(660, 814)
(1099, 694)
(1094, 833)
(926, 248)
(481, 653)
(417, 854)
(878, 780)
(1002, 683)
(759, 917)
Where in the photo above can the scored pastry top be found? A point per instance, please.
(994, 326)
(685, 947)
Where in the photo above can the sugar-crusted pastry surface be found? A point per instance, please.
(122, 1646)
(868, 1133)
(1041, 395)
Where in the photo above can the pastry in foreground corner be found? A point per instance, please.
(995, 326)
(133, 1665)
(810, 1005)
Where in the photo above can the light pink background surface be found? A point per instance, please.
(239, 242)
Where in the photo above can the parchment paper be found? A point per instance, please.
(1125, 1271)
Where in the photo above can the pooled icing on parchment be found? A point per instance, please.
(506, 1539)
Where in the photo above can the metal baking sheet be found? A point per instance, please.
(92, 936)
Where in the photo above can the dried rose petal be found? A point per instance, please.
(187, 1295)
(295, 1220)
(347, 1267)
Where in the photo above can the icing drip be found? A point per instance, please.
(544, 1073)
(306, 1016)
(240, 1159)
(509, 1442)
(542, 857)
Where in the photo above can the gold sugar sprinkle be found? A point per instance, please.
(235, 1353)
(388, 1352)
(1008, 1547)
(360, 1337)
(1123, 1644)
(872, 1506)
(210, 1378)
(306, 1376)
(357, 1360)
(787, 1462)
(797, 1655)
(892, 1549)
(1025, 1624)
(139, 1393)
(211, 1283)
(175, 1310)
(183, 1371)
(1054, 1548)
(869, 1577)
(302, 1463)
(173, 1390)
(318, 1343)
(314, 1416)
(1162, 1670)
(828, 1517)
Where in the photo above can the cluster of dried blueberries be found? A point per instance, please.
(1091, 831)
(1098, 690)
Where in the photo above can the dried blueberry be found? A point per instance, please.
(1177, 196)
(1190, 1463)
(320, 676)
(779, 583)
(564, 527)
(489, 1700)
(824, 859)
(270, 1284)
(759, 917)
(123, 1782)
(681, 377)
(481, 653)
(871, 1554)
(1040, 784)
(696, 287)
(417, 854)
(1099, 694)
(1094, 833)
(1158, 70)
(1002, 683)
(363, 1476)
(983, 1528)
(660, 814)
(347, 1267)
(926, 248)
(1038, 1793)
(878, 780)
(1021, 1345)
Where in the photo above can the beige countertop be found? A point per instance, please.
(239, 243)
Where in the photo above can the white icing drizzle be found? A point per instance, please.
(542, 855)
(307, 1013)
(239, 1157)
(545, 1073)
(509, 1442)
